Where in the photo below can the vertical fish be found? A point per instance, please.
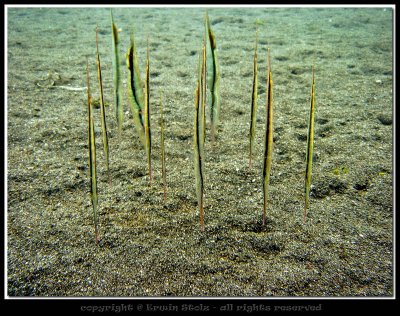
(115, 60)
(102, 109)
(310, 147)
(92, 156)
(147, 114)
(163, 169)
(198, 164)
(203, 95)
(268, 138)
(136, 90)
(254, 97)
(199, 134)
(214, 82)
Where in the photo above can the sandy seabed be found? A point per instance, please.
(152, 248)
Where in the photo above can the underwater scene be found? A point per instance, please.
(199, 152)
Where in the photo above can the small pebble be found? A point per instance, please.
(385, 119)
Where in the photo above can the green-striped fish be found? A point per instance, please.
(214, 82)
(147, 114)
(310, 147)
(203, 93)
(92, 156)
(163, 168)
(254, 97)
(116, 75)
(268, 138)
(102, 109)
(199, 134)
(198, 163)
(136, 90)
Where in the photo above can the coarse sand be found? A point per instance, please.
(152, 248)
